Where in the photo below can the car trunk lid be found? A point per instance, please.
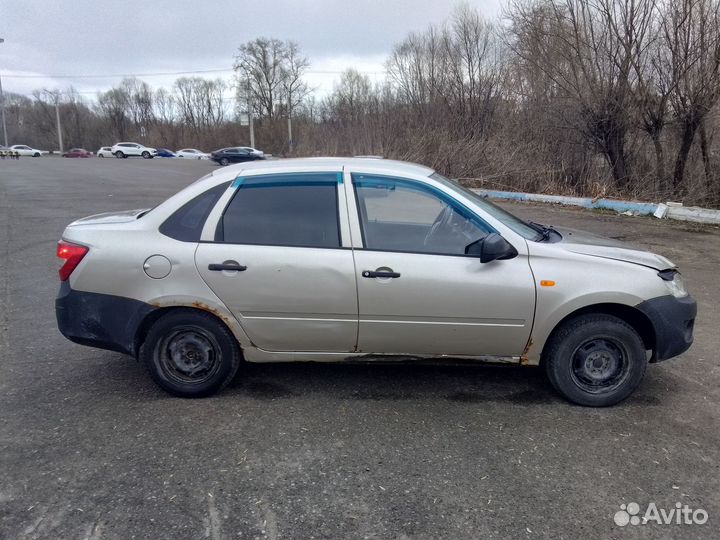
(110, 217)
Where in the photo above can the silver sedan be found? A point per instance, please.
(335, 260)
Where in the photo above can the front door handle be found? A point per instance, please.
(380, 274)
(228, 267)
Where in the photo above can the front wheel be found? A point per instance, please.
(119, 154)
(36, 154)
(224, 161)
(146, 155)
(595, 360)
(190, 353)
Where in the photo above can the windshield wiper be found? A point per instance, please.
(544, 230)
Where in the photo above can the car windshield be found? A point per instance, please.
(521, 227)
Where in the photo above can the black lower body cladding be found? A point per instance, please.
(99, 320)
(673, 320)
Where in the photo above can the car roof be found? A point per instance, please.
(401, 167)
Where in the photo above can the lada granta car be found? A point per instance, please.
(332, 259)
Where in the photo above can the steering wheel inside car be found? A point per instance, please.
(451, 232)
(441, 221)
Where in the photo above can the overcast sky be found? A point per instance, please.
(105, 37)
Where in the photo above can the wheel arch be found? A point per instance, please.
(628, 314)
(156, 314)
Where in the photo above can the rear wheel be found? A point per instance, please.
(595, 360)
(190, 353)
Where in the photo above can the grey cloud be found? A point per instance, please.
(131, 36)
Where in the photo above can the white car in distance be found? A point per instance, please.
(105, 151)
(24, 150)
(130, 149)
(252, 150)
(192, 153)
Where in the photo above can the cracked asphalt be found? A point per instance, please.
(91, 448)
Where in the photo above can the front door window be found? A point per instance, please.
(400, 215)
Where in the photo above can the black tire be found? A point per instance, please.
(189, 353)
(146, 155)
(119, 154)
(595, 360)
(224, 161)
(101, 156)
(36, 154)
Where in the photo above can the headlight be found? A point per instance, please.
(674, 282)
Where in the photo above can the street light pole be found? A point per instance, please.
(290, 139)
(57, 117)
(56, 96)
(2, 106)
(251, 126)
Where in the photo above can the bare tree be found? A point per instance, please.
(113, 105)
(652, 90)
(271, 72)
(590, 49)
(200, 102)
(692, 33)
(295, 89)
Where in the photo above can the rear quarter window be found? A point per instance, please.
(187, 222)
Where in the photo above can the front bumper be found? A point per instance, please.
(100, 320)
(673, 320)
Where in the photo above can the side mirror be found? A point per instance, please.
(492, 247)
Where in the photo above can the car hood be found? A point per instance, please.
(609, 248)
(109, 217)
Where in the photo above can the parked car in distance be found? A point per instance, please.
(24, 150)
(192, 153)
(350, 260)
(164, 152)
(105, 151)
(77, 153)
(225, 156)
(130, 149)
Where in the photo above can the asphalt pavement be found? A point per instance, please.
(91, 448)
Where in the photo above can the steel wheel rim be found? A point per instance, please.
(600, 365)
(189, 355)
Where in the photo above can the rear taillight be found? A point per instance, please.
(72, 254)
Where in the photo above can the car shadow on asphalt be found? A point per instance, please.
(478, 383)
(382, 382)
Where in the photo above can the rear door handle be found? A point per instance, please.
(229, 267)
(380, 274)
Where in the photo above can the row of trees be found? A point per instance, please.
(599, 97)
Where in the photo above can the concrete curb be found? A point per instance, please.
(682, 213)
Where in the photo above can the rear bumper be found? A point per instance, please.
(99, 320)
(673, 320)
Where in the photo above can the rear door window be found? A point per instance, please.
(299, 209)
